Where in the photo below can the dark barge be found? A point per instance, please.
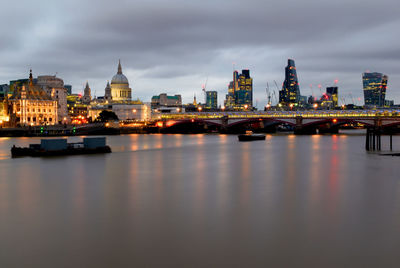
(249, 136)
(59, 147)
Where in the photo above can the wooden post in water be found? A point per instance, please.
(379, 140)
(373, 139)
(367, 139)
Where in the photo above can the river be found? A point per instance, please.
(203, 201)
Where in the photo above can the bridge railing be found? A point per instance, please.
(286, 114)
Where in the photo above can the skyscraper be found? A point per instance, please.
(290, 93)
(211, 99)
(374, 85)
(230, 98)
(240, 91)
(332, 93)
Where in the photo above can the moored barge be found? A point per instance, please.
(58, 147)
(249, 136)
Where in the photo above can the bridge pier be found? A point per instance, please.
(300, 129)
(373, 139)
(328, 128)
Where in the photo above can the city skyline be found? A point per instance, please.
(176, 48)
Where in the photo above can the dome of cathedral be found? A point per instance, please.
(119, 78)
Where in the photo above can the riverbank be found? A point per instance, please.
(103, 129)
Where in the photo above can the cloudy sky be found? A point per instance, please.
(175, 46)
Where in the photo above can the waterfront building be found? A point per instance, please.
(4, 118)
(240, 91)
(137, 111)
(76, 109)
(118, 99)
(163, 100)
(211, 100)
(120, 90)
(87, 96)
(31, 105)
(290, 93)
(54, 87)
(374, 85)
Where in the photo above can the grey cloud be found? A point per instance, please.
(176, 44)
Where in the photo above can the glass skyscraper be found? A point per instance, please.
(240, 91)
(211, 99)
(290, 93)
(374, 85)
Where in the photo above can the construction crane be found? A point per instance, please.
(277, 88)
(276, 85)
(268, 95)
(312, 91)
(320, 89)
(343, 99)
(275, 98)
(351, 96)
(204, 87)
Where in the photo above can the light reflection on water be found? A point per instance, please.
(175, 200)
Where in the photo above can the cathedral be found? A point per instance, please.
(120, 90)
(118, 99)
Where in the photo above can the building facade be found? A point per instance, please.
(4, 91)
(374, 85)
(54, 87)
(290, 93)
(211, 100)
(76, 109)
(332, 94)
(87, 94)
(240, 91)
(107, 93)
(139, 111)
(31, 105)
(163, 100)
(120, 90)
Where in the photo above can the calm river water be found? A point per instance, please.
(203, 201)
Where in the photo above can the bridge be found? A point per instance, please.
(303, 122)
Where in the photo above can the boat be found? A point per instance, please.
(249, 136)
(59, 147)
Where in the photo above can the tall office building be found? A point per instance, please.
(229, 98)
(374, 85)
(290, 93)
(211, 99)
(240, 91)
(332, 93)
